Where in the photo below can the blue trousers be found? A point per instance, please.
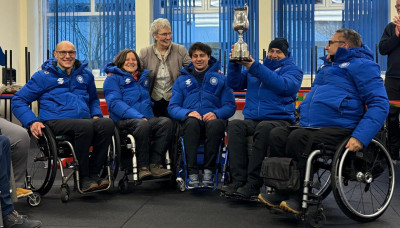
(5, 165)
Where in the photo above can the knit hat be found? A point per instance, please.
(281, 44)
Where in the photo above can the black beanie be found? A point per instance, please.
(281, 44)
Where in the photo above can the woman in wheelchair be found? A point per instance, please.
(127, 94)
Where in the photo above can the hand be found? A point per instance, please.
(396, 21)
(145, 119)
(36, 129)
(397, 30)
(354, 145)
(196, 115)
(209, 116)
(247, 64)
(95, 117)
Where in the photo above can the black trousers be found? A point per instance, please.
(87, 132)
(392, 86)
(152, 138)
(193, 131)
(298, 142)
(160, 108)
(245, 160)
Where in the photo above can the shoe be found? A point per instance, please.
(207, 178)
(292, 205)
(273, 199)
(248, 190)
(103, 183)
(21, 192)
(159, 171)
(144, 173)
(193, 181)
(19, 215)
(231, 188)
(88, 184)
(15, 221)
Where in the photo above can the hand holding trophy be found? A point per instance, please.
(240, 25)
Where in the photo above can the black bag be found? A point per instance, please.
(280, 173)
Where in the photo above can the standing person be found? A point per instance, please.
(389, 45)
(202, 102)
(69, 105)
(270, 102)
(127, 95)
(348, 81)
(11, 218)
(164, 59)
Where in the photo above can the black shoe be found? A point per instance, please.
(231, 188)
(15, 221)
(273, 199)
(89, 184)
(248, 190)
(292, 205)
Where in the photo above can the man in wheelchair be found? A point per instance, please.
(69, 105)
(347, 100)
(202, 102)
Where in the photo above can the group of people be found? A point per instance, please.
(165, 86)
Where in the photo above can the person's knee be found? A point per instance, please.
(166, 124)
(236, 126)
(216, 126)
(107, 125)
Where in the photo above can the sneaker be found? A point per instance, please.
(232, 187)
(15, 221)
(103, 183)
(19, 215)
(292, 205)
(208, 178)
(248, 190)
(21, 192)
(159, 171)
(273, 199)
(193, 180)
(144, 173)
(88, 184)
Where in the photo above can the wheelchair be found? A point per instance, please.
(57, 152)
(130, 167)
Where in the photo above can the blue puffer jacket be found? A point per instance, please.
(211, 95)
(127, 98)
(61, 96)
(271, 88)
(341, 91)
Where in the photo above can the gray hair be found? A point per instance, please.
(158, 24)
(351, 37)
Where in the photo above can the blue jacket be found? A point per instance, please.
(271, 88)
(211, 95)
(341, 91)
(61, 96)
(127, 98)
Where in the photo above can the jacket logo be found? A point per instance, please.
(278, 69)
(146, 82)
(344, 65)
(79, 78)
(127, 81)
(213, 81)
(188, 82)
(60, 81)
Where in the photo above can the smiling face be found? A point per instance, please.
(65, 54)
(130, 64)
(163, 38)
(200, 60)
(276, 54)
(398, 7)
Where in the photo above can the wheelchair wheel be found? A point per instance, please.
(114, 157)
(42, 162)
(363, 182)
(322, 177)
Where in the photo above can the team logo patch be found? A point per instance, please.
(127, 81)
(146, 82)
(278, 69)
(60, 81)
(344, 65)
(188, 82)
(79, 78)
(213, 81)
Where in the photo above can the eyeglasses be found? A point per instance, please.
(397, 6)
(64, 53)
(165, 34)
(334, 41)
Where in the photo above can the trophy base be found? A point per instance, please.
(238, 59)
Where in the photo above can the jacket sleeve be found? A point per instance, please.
(237, 79)
(228, 104)
(94, 102)
(285, 84)
(389, 40)
(372, 92)
(115, 103)
(25, 96)
(175, 107)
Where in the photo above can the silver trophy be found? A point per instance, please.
(240, 25)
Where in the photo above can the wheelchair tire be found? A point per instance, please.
(42, 163)
(363, 182)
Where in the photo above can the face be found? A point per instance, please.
(163, 38)
(65, 54)
(130, 64)
(398, 7)
(200, 60)
(276, 54)
(334, 43)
